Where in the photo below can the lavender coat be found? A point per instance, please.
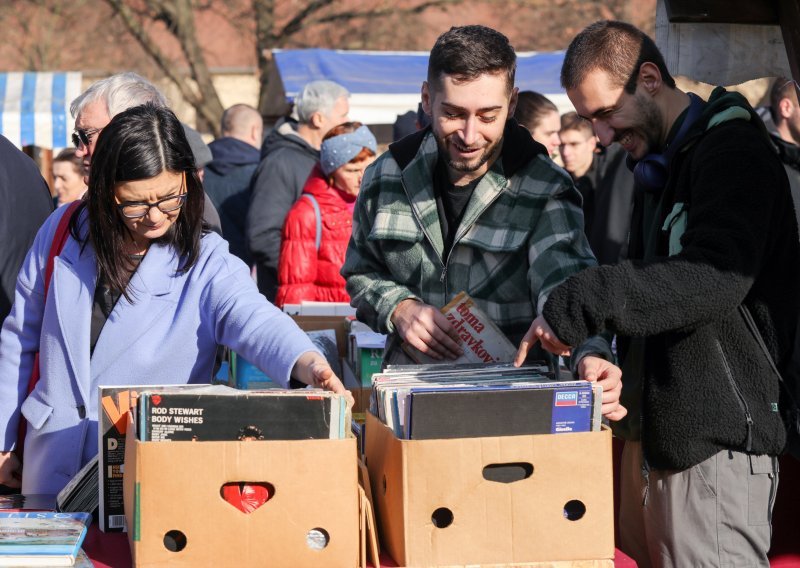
(168, 335)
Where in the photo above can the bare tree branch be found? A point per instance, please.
(300, 19)
(205, 100)
(373, 13)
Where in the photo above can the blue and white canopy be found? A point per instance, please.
(384, 84)
(34, 108)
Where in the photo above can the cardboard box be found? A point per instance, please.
(172, 500)
(559, 508)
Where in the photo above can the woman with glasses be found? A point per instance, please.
(140, 294)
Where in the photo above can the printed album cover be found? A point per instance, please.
(220, 413)
(481, 340)
(115, 402)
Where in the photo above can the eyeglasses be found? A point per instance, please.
(84, 136)
(166, 205)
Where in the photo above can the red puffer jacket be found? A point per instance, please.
(303, 272)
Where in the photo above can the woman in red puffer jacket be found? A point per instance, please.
(307, 271)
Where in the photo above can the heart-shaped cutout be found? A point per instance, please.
(247, 496)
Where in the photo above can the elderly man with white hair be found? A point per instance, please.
(287, 157)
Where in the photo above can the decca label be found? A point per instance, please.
(568, 398)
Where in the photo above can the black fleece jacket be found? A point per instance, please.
(706, 385)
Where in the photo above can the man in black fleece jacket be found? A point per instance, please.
(699, 470)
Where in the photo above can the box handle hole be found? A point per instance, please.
(574, 510)
(317, 538)
(384, 485)
(442, 518)
(174, 541)
(507, 472)
(247, 496)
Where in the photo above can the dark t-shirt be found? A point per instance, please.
(104, 301)
(451, 202)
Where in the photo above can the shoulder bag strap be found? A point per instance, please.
(59, 240)
(317, 215)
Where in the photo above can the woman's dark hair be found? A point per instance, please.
(139, 143)
(531, 109)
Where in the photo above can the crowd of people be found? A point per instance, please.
(650, 236)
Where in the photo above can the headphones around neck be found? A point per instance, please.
(651, 172)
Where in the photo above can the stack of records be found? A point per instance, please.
(81, 494)
(220, 413)
(443, 401)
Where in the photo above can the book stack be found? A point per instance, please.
(42, 538)
(440, 401)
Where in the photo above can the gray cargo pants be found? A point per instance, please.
(717, 513)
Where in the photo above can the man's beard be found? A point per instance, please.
(461, 165)
(649, 123)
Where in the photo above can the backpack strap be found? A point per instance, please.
(317, 215)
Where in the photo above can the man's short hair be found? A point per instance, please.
(617, 48)
(467, 52)
(531, 109)
(119, 92)
(238, 119)
(782, 88)
(573, 121)
(318, 96)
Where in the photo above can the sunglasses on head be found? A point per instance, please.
(84, 136)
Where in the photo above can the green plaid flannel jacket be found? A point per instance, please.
(521, 235)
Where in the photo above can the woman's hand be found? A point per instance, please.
(313, 369)
(10, 470)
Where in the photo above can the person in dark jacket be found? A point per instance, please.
(228, 175)
(289, 153)
(785, 115)
(717, 261)
(26, 203)
(605, 183)
(314, 241)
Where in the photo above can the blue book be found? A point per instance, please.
(34, 538)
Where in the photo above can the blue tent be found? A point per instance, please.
(34, 108)
(384, 84)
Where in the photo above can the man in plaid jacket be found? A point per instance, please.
(474, 204)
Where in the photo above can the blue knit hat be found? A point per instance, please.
(339, 150)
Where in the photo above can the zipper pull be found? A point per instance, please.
(749, 445)
(443, 278)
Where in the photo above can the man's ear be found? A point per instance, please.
(427, 103)
(650, 77)
(316, 120)
(786, 108)
(512, 104)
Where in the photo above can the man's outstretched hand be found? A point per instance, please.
(540, 331)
